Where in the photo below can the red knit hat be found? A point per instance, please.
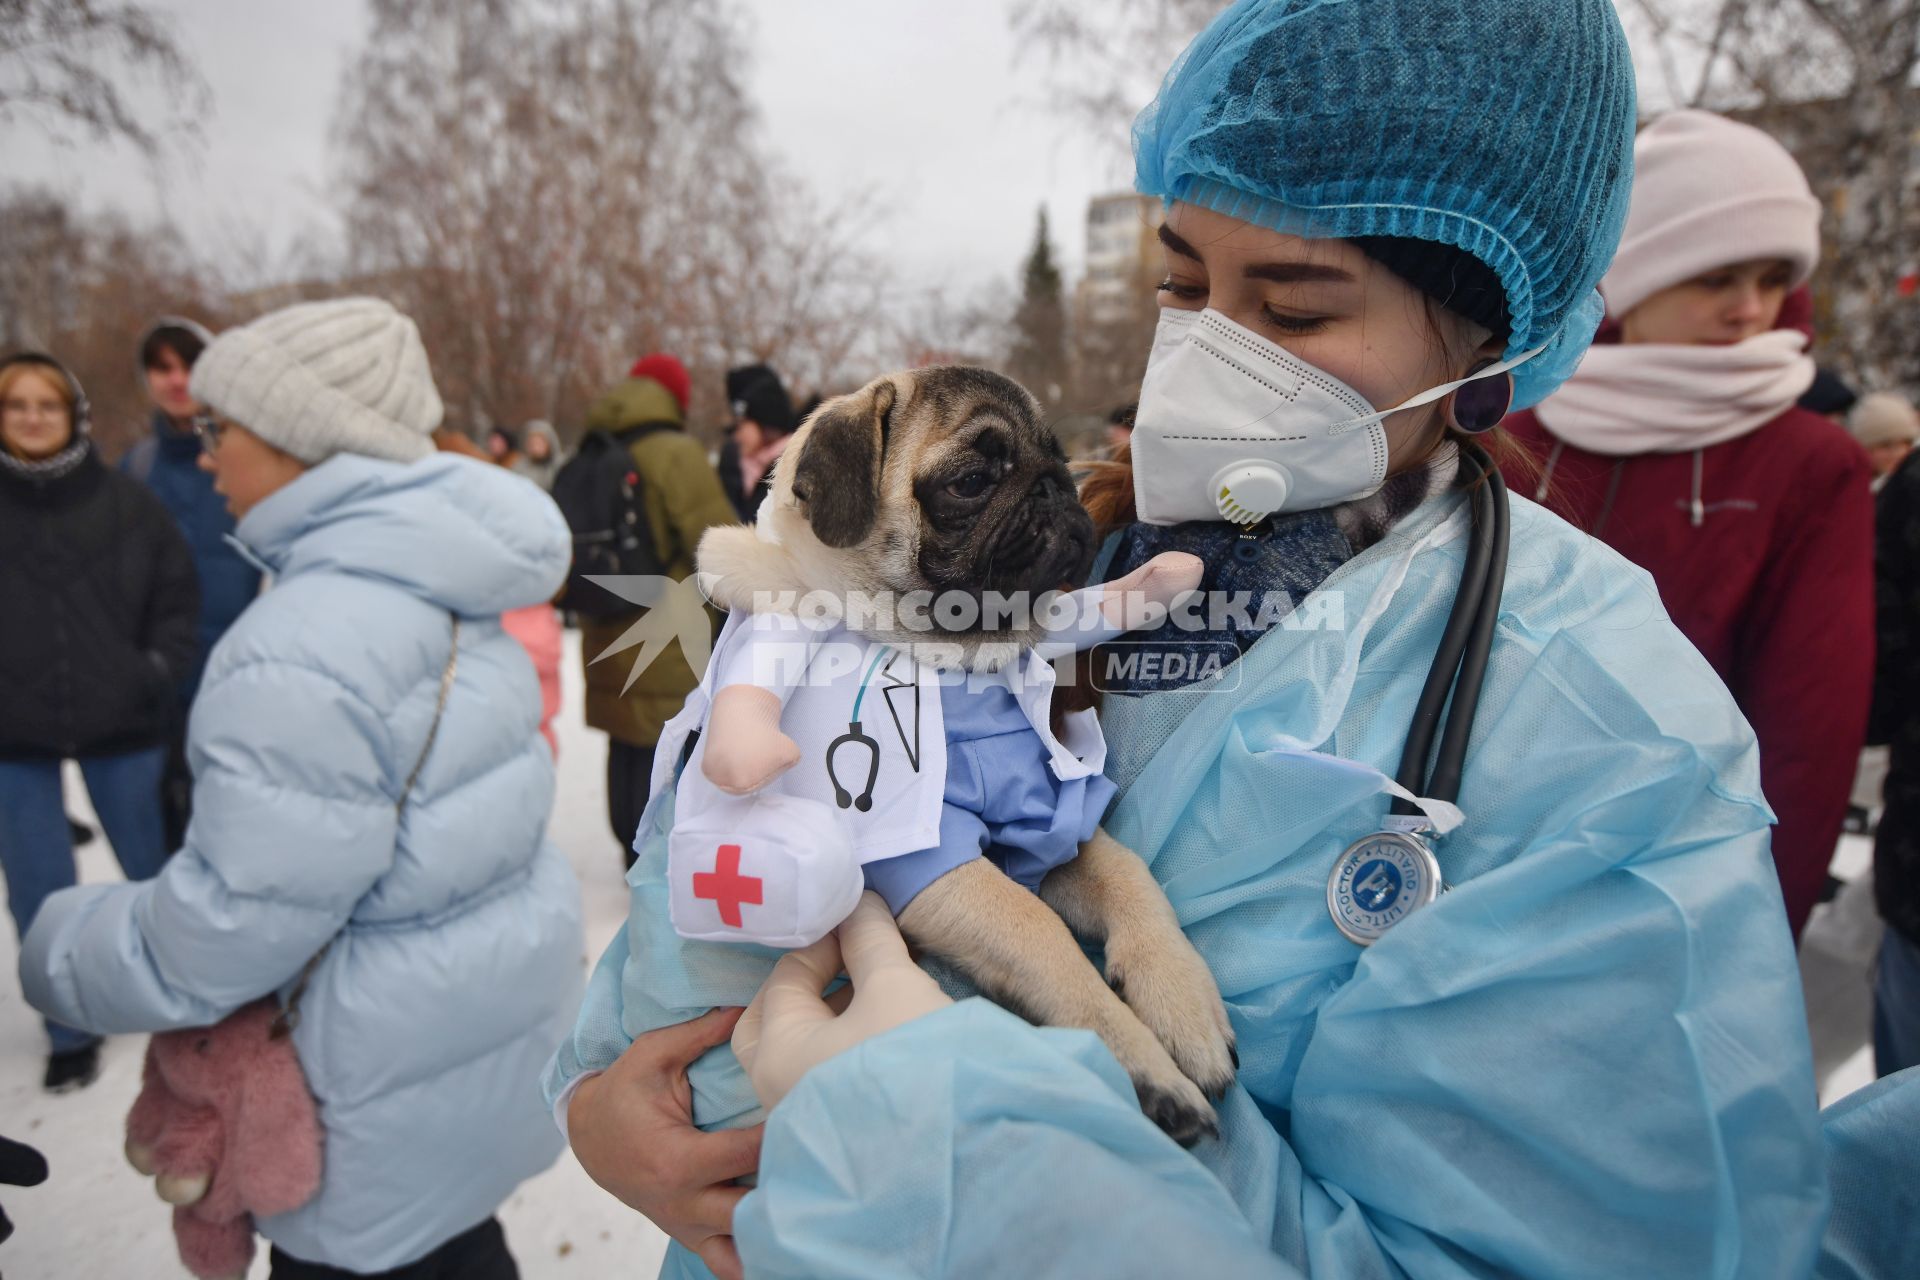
(668, 372)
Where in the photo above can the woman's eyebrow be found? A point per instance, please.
(1297, 272)
(1175, 244)
(1277, 272)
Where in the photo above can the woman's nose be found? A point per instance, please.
(1746, 307)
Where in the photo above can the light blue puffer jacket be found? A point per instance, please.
(452, 934)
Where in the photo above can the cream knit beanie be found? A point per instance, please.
(320, 378)
(1709, 192)
(1883, 418)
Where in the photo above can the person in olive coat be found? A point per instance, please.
(99, 622)
(683, 500)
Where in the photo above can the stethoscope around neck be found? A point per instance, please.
(1383, 877)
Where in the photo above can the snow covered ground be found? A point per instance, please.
(96, 1218)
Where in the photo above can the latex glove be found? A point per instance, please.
(789, 1028)
(632, 1128)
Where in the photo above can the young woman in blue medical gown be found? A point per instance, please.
(1588, 1058)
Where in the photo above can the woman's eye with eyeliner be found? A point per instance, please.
(1184, 292)
(1293, 324)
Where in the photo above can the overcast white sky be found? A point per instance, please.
(922, 101)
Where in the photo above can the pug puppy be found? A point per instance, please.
(947, 479)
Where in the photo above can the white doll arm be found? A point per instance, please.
(745, 747)
(1102, 612)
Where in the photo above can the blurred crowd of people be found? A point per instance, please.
(1700, 440)
(129, 574)
(270, 461)
(282, 749)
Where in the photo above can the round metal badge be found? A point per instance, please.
(1379, 881)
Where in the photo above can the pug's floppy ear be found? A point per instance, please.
(838, 474)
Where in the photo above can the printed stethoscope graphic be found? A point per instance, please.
(856, 736)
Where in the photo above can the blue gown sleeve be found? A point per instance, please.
(1463, 1108)
(1874, 1233)
(986, 1147)
(599, 1034)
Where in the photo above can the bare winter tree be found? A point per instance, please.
(82, 289)
(65, 64)
(44, 249)
(1105, 59)
(1109, 352)
(793, 289)
(552, 191)
(949, 326)
(1834, 80)
(1107, 56)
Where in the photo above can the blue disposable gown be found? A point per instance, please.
(1871, 1139)
(1587, 1059)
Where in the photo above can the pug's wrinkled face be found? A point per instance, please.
(937, 480)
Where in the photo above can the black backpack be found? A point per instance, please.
(603, 496)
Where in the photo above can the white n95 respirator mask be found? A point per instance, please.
(1233, 427)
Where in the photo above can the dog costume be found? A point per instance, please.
(905, 772)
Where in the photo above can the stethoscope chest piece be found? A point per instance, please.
(1379, 881)
(1383, 878)
(855, 736)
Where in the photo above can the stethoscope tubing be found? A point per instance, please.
(1460, 659)
(1450, 764)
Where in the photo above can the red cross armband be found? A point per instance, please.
(772, 869)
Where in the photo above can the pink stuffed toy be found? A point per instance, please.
(225, 1120)
(537, 628)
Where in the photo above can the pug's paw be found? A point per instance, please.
(1160, 976)
(1168, 1097)
(1178, 1109)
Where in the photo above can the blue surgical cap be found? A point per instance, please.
(1501, 127)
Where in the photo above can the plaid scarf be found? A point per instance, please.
(46, 470)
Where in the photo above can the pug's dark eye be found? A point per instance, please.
(971, 485)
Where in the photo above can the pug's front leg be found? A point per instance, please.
(1020, 954)
(1108, 894)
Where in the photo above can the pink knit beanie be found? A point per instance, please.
(1709, 192)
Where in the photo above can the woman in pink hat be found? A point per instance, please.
(1681, 447)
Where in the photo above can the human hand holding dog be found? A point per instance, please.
(632, 1129)
(790, 1028)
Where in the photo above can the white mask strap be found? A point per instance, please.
(1446, 389)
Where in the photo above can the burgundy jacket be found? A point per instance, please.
(1772, 580)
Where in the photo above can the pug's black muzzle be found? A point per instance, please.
(1046, 545)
